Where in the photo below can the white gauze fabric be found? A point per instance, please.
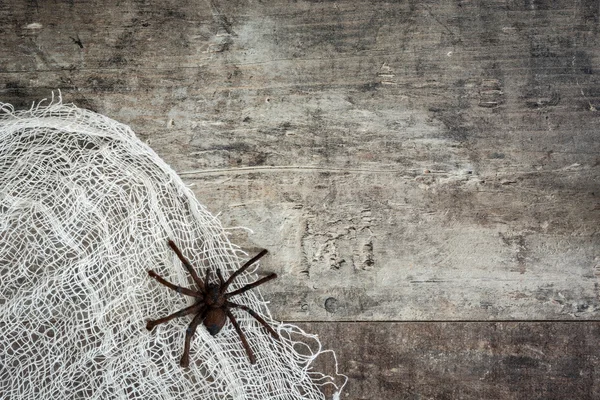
(86, 210)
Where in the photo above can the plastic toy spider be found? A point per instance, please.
(212, 306)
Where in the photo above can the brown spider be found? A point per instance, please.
(212, 306)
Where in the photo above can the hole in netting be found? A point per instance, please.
(84, 144)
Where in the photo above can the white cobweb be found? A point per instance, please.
(86, 210)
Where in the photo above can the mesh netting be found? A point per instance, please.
(86, 210)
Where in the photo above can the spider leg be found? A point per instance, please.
(207, 279)
(251, 285)
(221, 280)
(176, 288)
(256, 316)
(188, 310)
(243, 268)
(242, 337)
(189, 333)
(187, 265)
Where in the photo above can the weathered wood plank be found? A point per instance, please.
(402, 161)
(500, 360)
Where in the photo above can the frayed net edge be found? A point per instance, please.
(55, 101)
(318, 378)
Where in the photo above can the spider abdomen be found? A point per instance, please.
(215, 320)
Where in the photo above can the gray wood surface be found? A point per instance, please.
(402, 161)
(466, 360)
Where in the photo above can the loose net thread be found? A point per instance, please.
(85, 210)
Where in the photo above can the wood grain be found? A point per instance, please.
(400, 160)
(465, 360)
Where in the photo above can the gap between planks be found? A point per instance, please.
(446, 321)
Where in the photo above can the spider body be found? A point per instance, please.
(212, 306)
(214, 297)
(215, 317)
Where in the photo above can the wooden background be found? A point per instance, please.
(425, 174)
